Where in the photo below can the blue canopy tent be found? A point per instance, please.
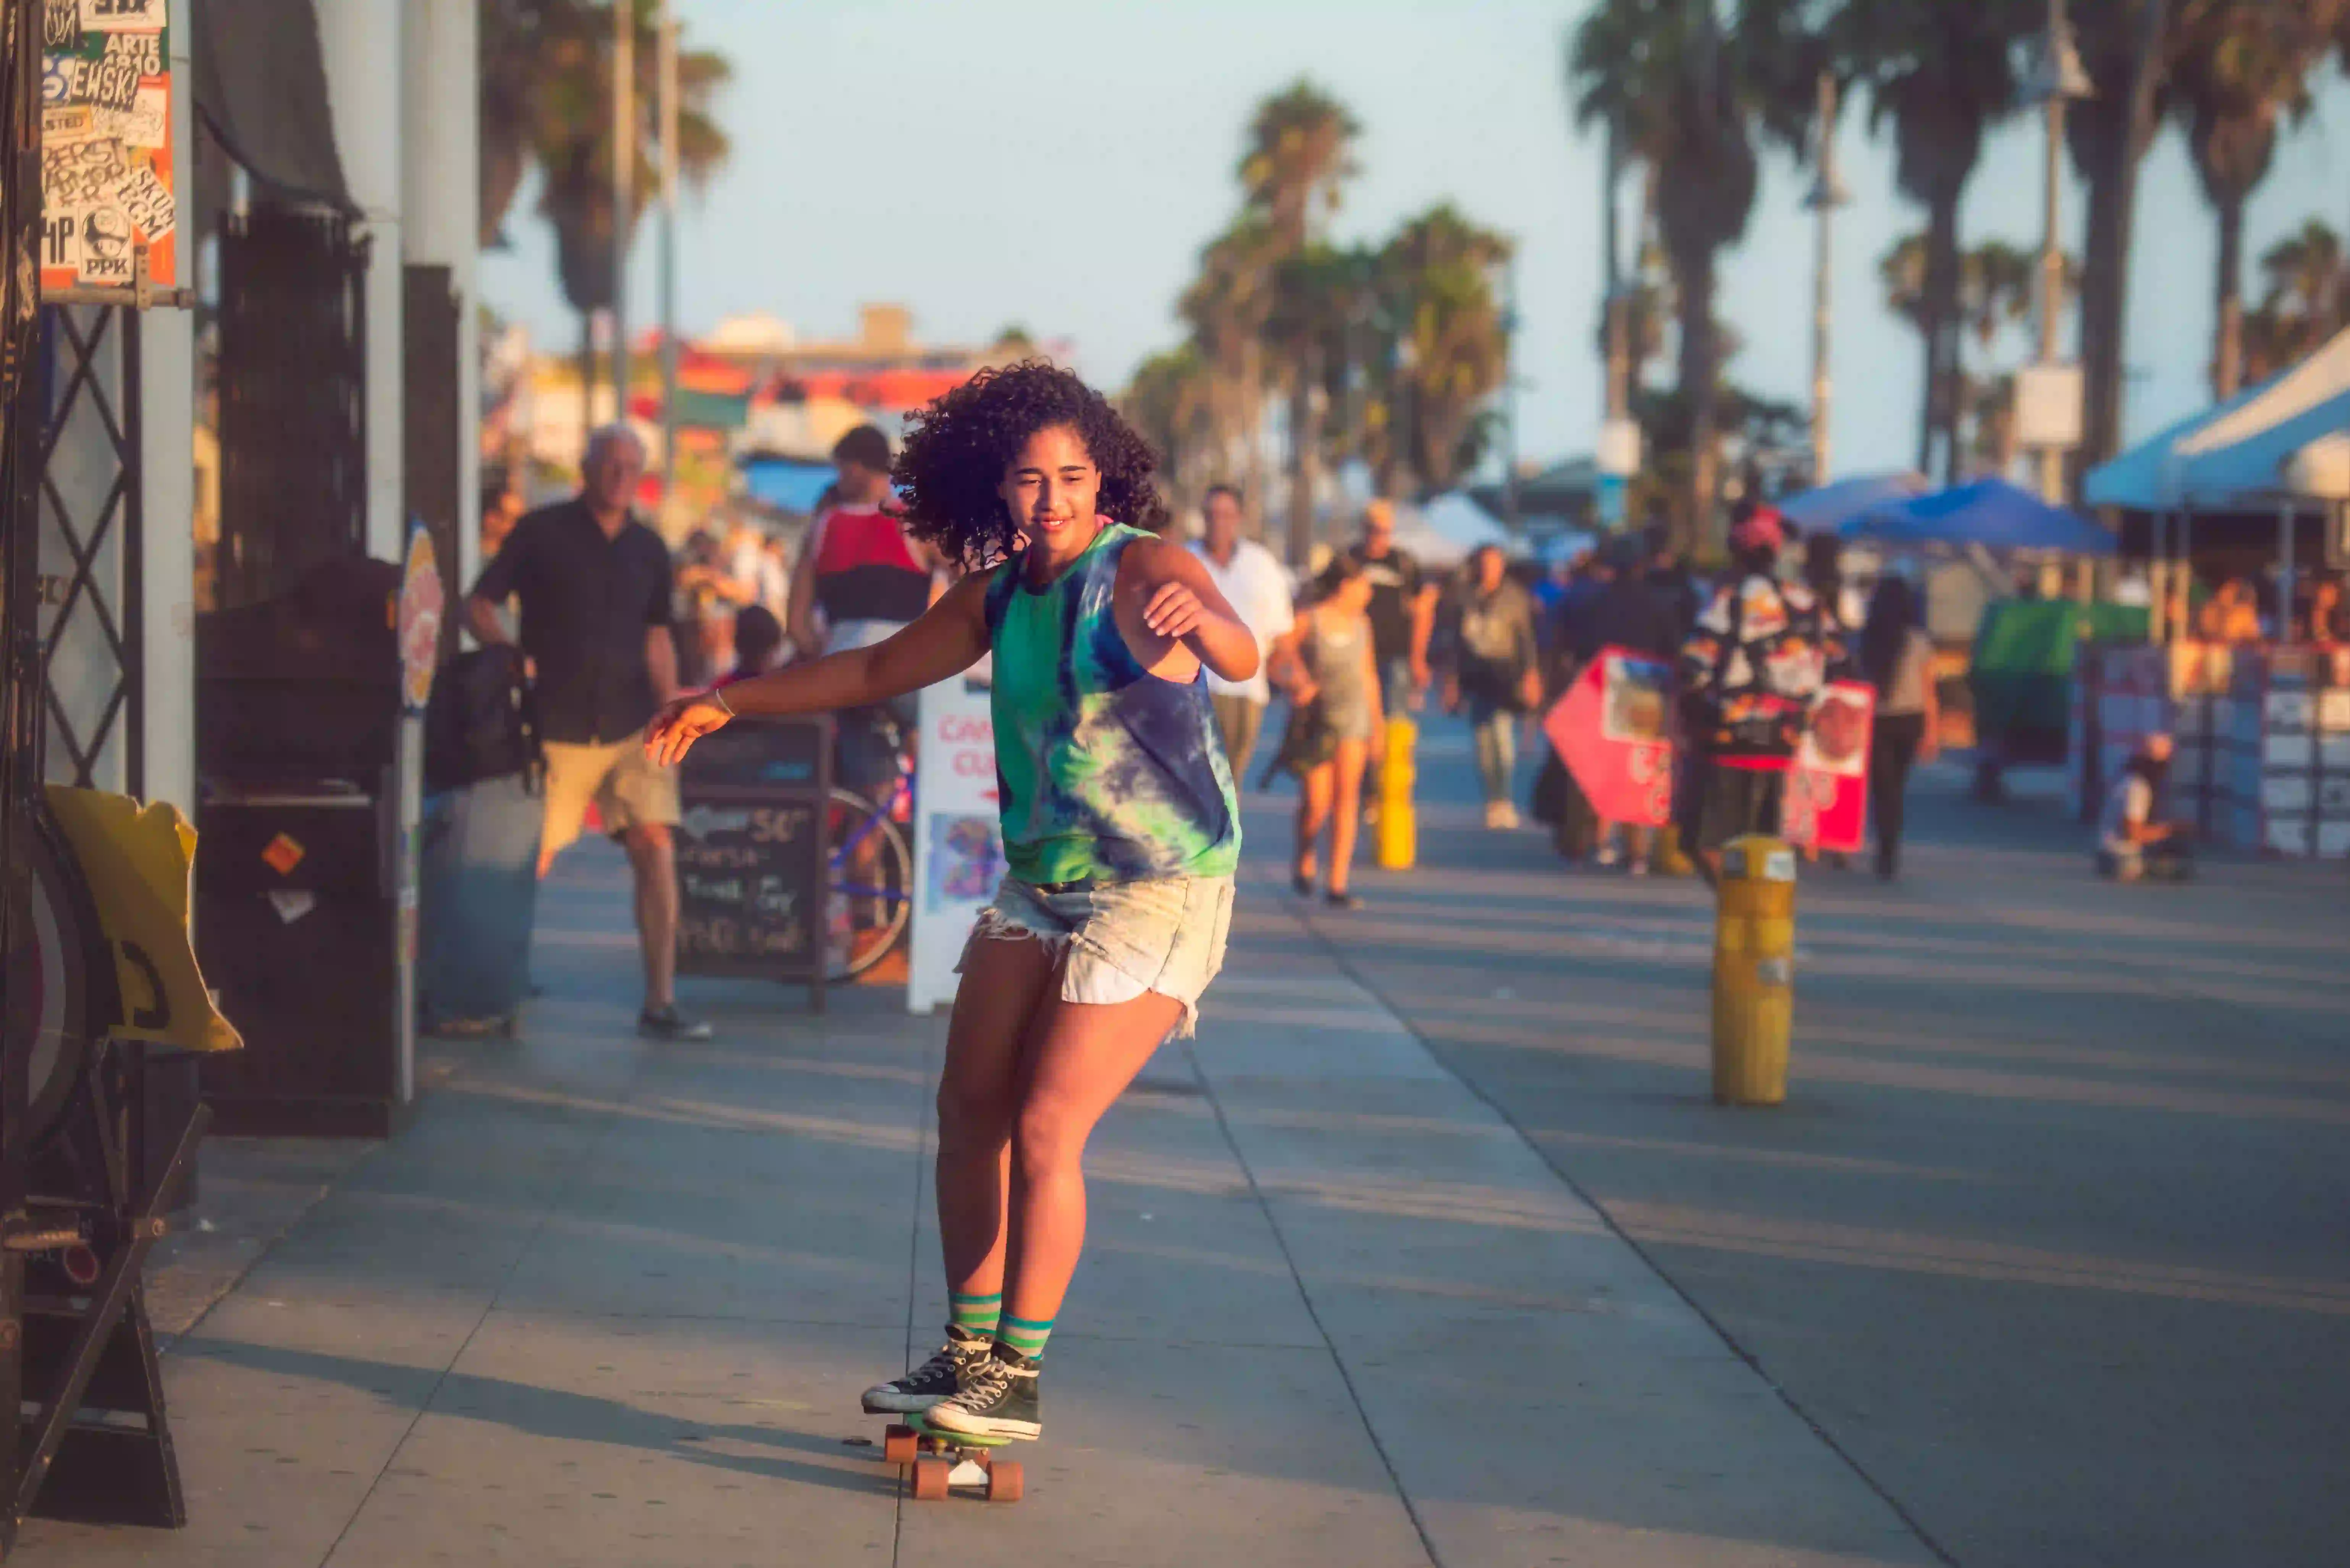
(1828, 508)
(1990, 514)
(786, 483)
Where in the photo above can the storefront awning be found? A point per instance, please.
(261, 92)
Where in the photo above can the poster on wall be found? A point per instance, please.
(106, 143)
(1614, 731)
(957, 842)
(1827, 803)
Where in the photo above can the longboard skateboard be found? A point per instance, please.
(942, 1461)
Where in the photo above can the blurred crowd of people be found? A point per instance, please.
(1499, 642)
(2239, 611)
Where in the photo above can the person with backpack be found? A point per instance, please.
(1761, 650)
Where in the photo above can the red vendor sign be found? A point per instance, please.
(1827, 803)
(1614, 731)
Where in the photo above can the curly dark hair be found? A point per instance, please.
(956, 448)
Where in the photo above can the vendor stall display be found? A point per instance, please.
(2021, 677)
(2263, 761)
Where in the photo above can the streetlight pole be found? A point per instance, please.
(2060, 79)
(668, 110)
(1827, 194)
(1613, 465)
(1618, 369)
(624, 178)
(1510, 395)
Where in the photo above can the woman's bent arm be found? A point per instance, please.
(1180, 603)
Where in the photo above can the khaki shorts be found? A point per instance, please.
(628, 790)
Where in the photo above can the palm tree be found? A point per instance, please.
(1664, 72)
(1990, 408)
(2126, 47)
(2241, 67)
(2304, 271)
(1227, 307)
(546, 100)
(1172, 400)
(1941, 75)
(1997, 289)
(1902, 270)
(1298, 157)
(519, 40)
(1998, 285)
(1441, 272)
(2304, 302)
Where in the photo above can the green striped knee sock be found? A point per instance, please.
(1025, 1335)
(975, 1314)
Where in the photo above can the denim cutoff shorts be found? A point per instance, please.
(1121, 939)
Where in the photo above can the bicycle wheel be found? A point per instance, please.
(868, 886)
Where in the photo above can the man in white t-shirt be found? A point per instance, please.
(1253, 584)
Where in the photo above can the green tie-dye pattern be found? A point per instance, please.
(1107, 772)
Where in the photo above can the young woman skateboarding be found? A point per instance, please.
(1120, 825)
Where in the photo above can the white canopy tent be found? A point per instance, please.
(2247, 459)
(1443, 530)
(2143, 479)
(2283, 444)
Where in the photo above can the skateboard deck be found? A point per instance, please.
(944, 1462)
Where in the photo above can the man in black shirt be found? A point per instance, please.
(595, 588)
(1402, 612)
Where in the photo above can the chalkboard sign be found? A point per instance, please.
(752, 859)
(762, 756)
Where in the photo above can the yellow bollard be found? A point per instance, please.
(1399, 826)
(1754, 972)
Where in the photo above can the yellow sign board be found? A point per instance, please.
(137, 860)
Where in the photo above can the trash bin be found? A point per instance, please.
(479, 887)
(298, 877)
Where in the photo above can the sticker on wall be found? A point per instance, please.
(284, 852)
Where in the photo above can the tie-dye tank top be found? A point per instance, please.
(1105, 772)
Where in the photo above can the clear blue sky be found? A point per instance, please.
(1058, 163)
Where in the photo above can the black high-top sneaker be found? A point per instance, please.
(934, 1380)
(997, 1399)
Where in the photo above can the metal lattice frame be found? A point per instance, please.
(81, 340)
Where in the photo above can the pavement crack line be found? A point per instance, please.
(925, 1145)
(261, 1255)
(1305, 1296)
(1339, 956)
(589, 1144)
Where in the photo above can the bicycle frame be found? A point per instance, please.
(901, 795)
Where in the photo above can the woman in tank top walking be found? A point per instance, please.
(1120, 830)
(1327, 666)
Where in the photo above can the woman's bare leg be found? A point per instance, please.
(1004, 982)
(1347, 814)
(1314, 791)
(1084, 1054)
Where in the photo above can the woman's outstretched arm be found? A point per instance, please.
(947, 640)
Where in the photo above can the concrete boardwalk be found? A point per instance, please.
(612, 1303)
